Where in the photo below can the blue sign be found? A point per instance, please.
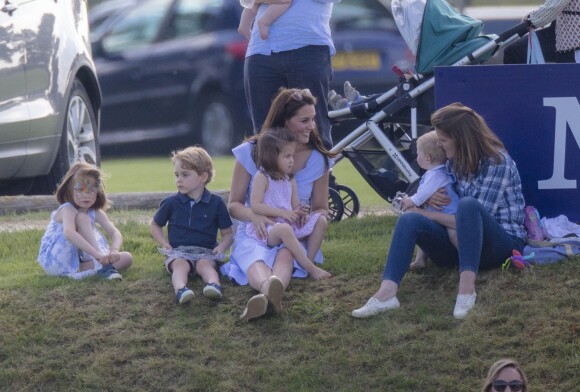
(535, 110)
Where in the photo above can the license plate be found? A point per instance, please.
(357, 60)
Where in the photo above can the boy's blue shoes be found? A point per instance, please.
(213, 291)
(109, 272)
(184, 295)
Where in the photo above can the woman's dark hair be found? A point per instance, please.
(474, 141)
(270, 144)
(285, 106)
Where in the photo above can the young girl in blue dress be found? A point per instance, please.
(275, 194)
(72, 245)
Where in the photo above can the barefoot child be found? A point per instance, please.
(193, 217)
(72, 245)
(273, 12)
(431, 157)
(274, 194)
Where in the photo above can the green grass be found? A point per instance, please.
(64, 335)
(155, 174)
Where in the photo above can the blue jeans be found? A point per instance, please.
(307, 67)
(483, 243)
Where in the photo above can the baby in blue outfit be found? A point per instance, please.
(431, 157)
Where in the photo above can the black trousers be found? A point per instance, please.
(517, 51)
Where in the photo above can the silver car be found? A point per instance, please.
(50, 98)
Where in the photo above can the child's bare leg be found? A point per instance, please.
(283, 233)
(179, 272)
(452, 233)
(85, 229)
(420, 260)
(270, 15)
(315, 238)
(245, 27)
(125, 262)
(206, 269)
(263, 28)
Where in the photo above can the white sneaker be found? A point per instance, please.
(463, 305)
(374, 306)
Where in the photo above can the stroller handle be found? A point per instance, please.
(520, 29)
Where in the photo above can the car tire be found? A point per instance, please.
(79, 141)
(214, 125)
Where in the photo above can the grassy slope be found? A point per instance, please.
(94, 335)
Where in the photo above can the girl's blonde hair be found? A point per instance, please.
(78, 172)
(497, 367)
(429, 144)
(195, 158)
(270, 144)
(474, 141)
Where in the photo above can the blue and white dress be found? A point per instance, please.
(59, 257)
(247, 250)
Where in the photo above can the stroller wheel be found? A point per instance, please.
(335, 205)
(350, 202)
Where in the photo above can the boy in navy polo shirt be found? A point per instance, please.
(193, 217)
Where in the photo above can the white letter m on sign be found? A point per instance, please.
(567, 112)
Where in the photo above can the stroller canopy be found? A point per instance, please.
(435, 32)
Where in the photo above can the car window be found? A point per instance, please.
(138, 28)
(192, 17)
(361, 15)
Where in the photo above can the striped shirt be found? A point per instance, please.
(498, 187)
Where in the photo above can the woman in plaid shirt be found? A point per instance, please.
(489, 219)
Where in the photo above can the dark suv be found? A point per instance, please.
(49, 94)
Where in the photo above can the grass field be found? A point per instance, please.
(154, 174)
(93, 335)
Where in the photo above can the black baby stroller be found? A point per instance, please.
(383, 147)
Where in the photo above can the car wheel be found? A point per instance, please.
(79, 141)
(215, 125)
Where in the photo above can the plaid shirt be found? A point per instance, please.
(497, 186)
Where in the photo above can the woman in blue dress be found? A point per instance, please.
(269, 270)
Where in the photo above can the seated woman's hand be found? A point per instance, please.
(260, 222)
(439, 199)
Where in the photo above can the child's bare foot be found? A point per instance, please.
(418, 264)
(319, 274)
(264, 29)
